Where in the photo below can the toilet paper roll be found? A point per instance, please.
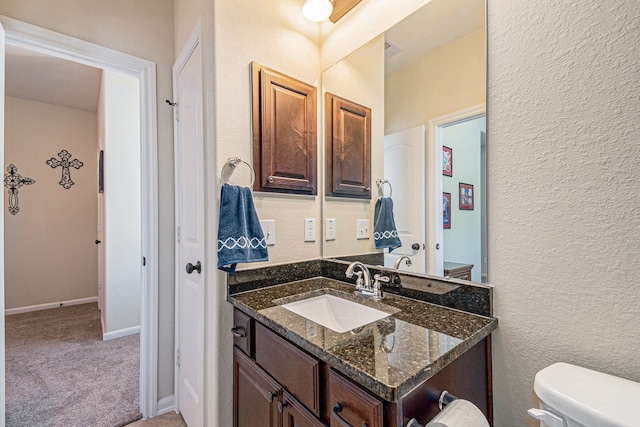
(459, 413)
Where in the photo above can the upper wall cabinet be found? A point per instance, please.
(348, 145)
(284, 133)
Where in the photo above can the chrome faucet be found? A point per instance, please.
(399, 261)
(362, 283)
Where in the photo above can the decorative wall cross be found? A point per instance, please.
(13, 181)
(65, 164)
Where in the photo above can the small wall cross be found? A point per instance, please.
(13, 181)
(64, 162)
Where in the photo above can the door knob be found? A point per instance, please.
(97, 242)
(415, 246)
(191, 268)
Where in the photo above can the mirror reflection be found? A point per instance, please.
(425, 82)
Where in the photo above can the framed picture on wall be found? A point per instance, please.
(466, 197)
(446, 210)
(447, 161)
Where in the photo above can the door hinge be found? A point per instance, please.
(178, 357)
(144, 261)
(178, 233)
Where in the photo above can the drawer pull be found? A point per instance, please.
(336, 414)
(238, 332)
(270, 396)
(282, 405)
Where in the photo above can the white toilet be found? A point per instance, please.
(571, 396)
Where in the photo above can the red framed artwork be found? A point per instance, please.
(446, 210)
(447, 161)
(466, 196)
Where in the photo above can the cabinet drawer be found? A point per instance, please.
(351, 403)
(242, 331)
(297, 371)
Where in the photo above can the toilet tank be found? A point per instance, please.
(588, 398)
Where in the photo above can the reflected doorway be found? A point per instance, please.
(460, 144)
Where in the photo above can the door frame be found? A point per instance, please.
(435, 240)
(59, 45)
(188, 48)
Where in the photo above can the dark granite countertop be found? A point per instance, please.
(389, 357)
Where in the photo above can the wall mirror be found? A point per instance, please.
(424, 80)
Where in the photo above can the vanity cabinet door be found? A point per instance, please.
(294, 414)
(351, 405)
(256, 395)
(292, 367)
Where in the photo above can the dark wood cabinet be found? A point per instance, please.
(348, 148)
(285, 135)
(296, 370)
(256, 394)
(352, 405)
(286, 386)
(242, 332)
(294, 414)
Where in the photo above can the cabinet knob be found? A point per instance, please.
(270, 396)
(239, 332)
(282, 405)
(270, 179)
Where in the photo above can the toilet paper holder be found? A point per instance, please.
(444, 399)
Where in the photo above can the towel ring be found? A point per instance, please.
(234, 162)
(381, 183)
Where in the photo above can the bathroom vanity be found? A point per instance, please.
(289, 370)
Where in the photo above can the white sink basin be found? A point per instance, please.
(339, 315)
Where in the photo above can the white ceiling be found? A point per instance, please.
(38, 77)
(436, 24)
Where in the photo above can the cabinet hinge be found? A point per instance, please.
(178, 234)
(178, 357)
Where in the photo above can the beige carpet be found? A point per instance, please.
(59, 372)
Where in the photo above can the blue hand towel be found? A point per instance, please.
(385, 234)
(240, 237)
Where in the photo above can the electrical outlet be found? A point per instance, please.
(309, 229)
(362, 229)
(330, 233)
(269, 230)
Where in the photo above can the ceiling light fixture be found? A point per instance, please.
(317, 10)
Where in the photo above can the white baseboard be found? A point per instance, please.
(50, 305)
(166, 404)
(121, 333)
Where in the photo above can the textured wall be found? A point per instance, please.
(564, 191)
(50, 258)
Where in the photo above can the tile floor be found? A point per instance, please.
(170, 419)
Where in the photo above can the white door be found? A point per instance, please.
(190, 272)
(404, 168)
(2, 394)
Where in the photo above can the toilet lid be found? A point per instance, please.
(589, 397)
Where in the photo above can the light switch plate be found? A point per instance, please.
(362, 229)
(309, 229)
(269, 230)
(330, 229)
